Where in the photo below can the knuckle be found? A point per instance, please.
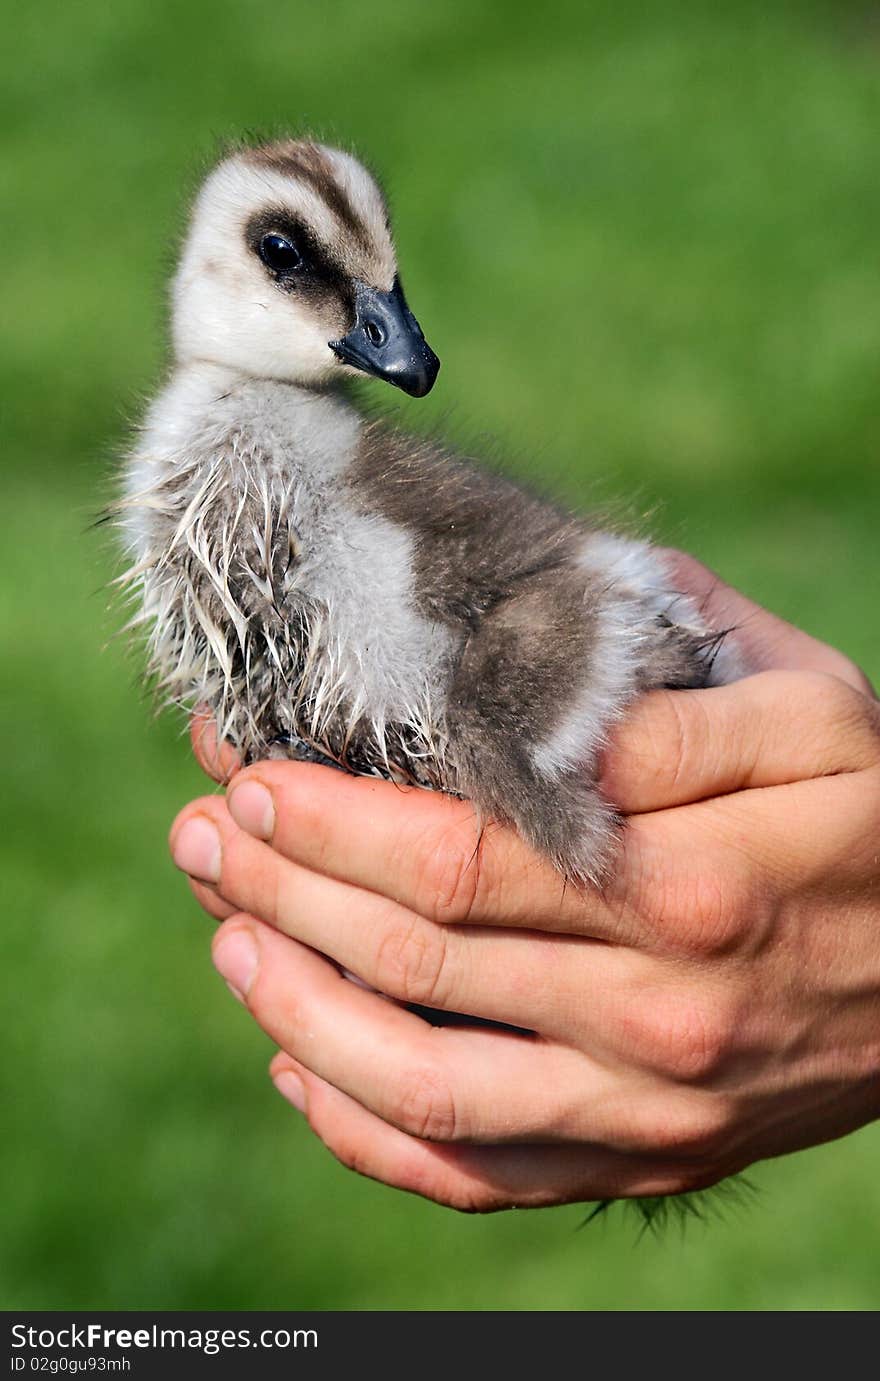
(411, 961)
(692, 1040)
(449, 873)
(645, 886)
(668, 736)
(714, 907)
(690, 905)
(844, 716)
(841, 667)
(424, 1105)
(690, 735)
(841, 702)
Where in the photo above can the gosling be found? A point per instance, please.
(333, 590)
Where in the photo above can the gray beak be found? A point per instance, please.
(387, 342)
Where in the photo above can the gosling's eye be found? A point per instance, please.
(279, 254)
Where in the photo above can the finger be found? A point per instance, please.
(808, 834)
(522, 978)
(425, 850)
(765, 641)
(473, 1179)
(438, 1084)
(210, 900)
(707, 878)
(218, 760)
(619, 1006)
(676, 747)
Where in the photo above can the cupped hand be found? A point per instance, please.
(718, 1002)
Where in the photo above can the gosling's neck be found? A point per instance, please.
(227, 378)
(293, 426)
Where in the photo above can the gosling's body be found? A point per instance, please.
(276, 597)
(331, 589)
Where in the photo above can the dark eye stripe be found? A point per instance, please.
(318, 273)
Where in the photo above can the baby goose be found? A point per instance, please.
(333, 590)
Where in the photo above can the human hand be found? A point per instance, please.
(717, 1003)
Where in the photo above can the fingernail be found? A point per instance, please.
(252, 808)
(196, 849)
(291, 1087)
(236, 959)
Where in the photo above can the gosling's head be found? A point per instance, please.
(288, 271)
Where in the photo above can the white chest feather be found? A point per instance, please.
(268, 593)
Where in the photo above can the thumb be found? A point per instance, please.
(771, 729)
(765, 642)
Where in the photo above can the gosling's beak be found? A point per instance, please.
(387, 341)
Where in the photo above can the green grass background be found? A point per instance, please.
(644, 241)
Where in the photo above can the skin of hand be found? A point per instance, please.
(716, 1003)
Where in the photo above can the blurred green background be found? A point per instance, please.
(644, 242)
